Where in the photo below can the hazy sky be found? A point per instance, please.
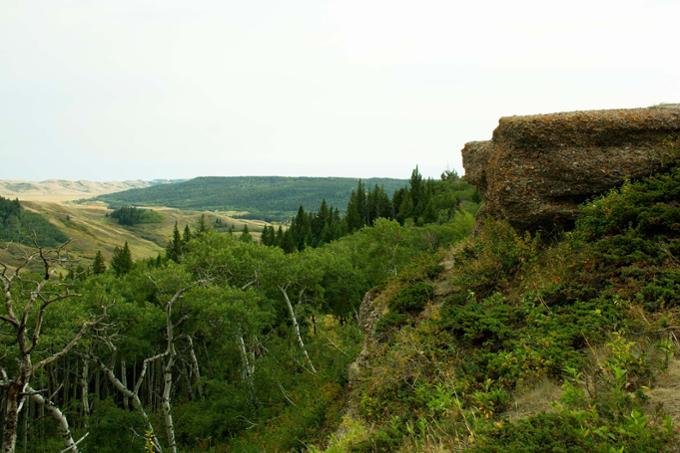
(125, 89)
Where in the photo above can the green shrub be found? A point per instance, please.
(413, 298)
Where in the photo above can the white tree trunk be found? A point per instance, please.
(296, 326)
(58, 415)
(85, 390)
(134, 396)
(196, 371)
(167, 409)
(248, 366)
(123, 379)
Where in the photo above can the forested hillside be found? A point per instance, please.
(523, 343)
(228, 345)
(266, 198)
(28, 228)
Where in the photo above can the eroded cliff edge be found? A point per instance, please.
(537, 169)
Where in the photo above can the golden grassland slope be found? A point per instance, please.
(61, 190)
(89, 229)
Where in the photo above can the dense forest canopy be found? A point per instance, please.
(220, 333)
(195, 353)
(263, 197)
(28, 228)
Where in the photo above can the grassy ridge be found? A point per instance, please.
(263, 197)
(89, 229)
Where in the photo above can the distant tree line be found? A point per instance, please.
(424, 201)
(131, 215)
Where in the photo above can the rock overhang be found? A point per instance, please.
(537, 169)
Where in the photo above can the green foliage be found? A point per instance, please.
(98, 265)
(610, 416)
(245, 235)
(263, 197)
(131, 216)
(471, 324)
(28, 228)
(412, 299)
(590, 310)
(175, 248)
(121, 261)
(106, 429)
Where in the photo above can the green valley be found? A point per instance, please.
(257, 197)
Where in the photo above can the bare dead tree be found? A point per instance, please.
(26, 331)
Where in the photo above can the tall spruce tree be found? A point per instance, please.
(287, 242)
(98, 265)
(174, 247)
(121, 262)
(356, 209)
(279, 237)
(203, 226)
(186, 236)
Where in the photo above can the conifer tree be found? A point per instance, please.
(203, 226)
(121, 262)
(264, 237)
(287, 242)
(300, 229)
(279, 237)
(174, 248)
(405, 209)
(378, 204)
(98, 266)
(353, 218)
(186, 236)
(245, 234)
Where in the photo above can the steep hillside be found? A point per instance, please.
(516, 342)
(28, 228)
(268, 198)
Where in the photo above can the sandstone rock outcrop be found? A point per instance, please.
(537, 169)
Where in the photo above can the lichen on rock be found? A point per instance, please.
(537, 169)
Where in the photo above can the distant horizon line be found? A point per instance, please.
(194, 177)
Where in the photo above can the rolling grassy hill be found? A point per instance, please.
(60, 190)
(257, 197)
(89, 229)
